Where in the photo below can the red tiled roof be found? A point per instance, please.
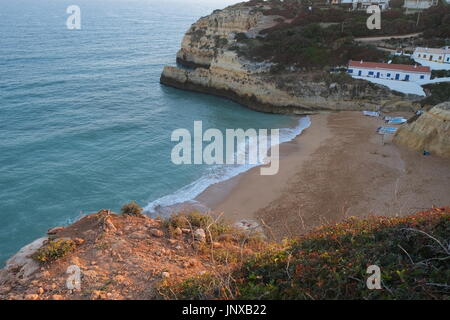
(389, 66)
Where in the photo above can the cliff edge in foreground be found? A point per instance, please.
(210, 61)
(429, 132)
(191, 256)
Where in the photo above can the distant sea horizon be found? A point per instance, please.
(85, 122)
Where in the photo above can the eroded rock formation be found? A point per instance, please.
(208, 62)
(429, 132)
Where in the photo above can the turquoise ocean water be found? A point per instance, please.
(84, 122)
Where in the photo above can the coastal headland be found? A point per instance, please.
(345, 197)
(213, 59)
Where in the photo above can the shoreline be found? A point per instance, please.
(228, 196)
(216, 190)
(250, 102)
(337, 168)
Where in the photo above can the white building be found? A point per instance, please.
(412, 6)
(441, 55)
(401, 72)
(362, 4)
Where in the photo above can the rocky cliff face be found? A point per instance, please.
(210, 34)
(209, 63)
(118, 257)
(430, 132)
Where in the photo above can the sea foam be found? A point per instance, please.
(216, 174)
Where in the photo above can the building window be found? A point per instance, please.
(419, 55)
(448, 59)
(388, 75)
(422, 77)
(370, 73)
(350, 70)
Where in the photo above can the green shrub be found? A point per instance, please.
(440, 92)
(199, 288)
(318, 38)
(54, 250)
(196, 220)
(440, 74)
(331, 263)
(132, 209)
(403, 60)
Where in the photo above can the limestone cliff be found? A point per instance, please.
(208, 62)
(119, 256)
(430, 132)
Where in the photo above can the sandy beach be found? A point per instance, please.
(336, 168)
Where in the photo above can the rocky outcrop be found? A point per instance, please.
(120, 257)
(21, 266)
(208, 62)
(210, 34)
(429, 132)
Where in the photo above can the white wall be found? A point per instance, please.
(447, 57)
(436, 57)
(388, 74)
(421, 4)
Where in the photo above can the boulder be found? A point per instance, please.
(200, 235)
(156, 233)
(22, 265)
(55, 230)
(429, 132)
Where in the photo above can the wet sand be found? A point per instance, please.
(240, 197)
(336, 168)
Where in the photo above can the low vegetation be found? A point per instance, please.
(412, 252)
(403, 60)
(54, 250)
(132, 209)
(310, 46)
(440, 74)
(323, 36)
(439, 92)
(195, 220)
